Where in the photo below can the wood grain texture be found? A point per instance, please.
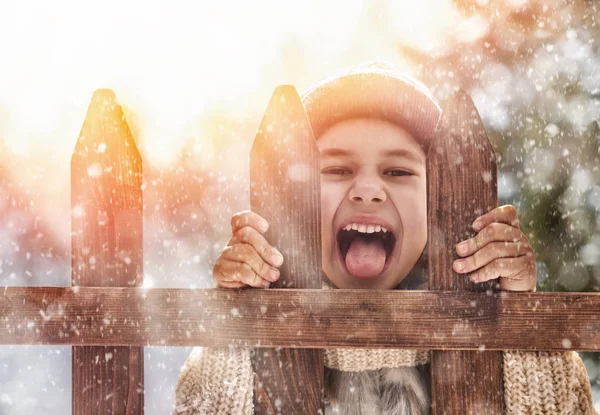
(106, 243)
(461, 186)
(285, 190)
(451, 320)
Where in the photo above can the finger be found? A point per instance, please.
(251, 236)
(234, 285)
(246, 253)
(248, 218)
(237, 272)
(527, 283)
(222, 275)
(515, 274)
(229, 284)
(491, 233)
(503, 214)
(489, 253)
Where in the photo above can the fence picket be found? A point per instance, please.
(106, 243)
(285, 190)
(461, 186)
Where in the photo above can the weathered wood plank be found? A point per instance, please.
(285, 190)
(461, 185)
(452, 320)
(106, 200)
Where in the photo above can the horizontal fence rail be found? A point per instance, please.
(438, 320)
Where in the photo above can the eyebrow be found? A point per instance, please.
(402, 153)
(336, 152)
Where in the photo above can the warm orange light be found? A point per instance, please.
(170, 62)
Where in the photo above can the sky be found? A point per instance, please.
(172, 61)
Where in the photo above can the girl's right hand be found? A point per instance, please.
(248, 259)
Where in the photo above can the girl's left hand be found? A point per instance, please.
(499, 250)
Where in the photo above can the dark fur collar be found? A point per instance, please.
(387, 391)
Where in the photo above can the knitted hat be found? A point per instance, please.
(373, 90)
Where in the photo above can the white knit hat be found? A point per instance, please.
(373, 90)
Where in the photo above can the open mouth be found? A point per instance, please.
(365, 249)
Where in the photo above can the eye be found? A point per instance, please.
(337, 171)
(398, 173)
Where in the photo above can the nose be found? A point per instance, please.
(366, 191)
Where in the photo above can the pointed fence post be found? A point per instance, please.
(285, 190)
(461, 185)
(106, 243)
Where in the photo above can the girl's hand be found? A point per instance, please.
(499, 250)
(248, 259)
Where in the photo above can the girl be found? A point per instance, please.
(379, 189)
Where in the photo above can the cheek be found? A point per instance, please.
(411, 203)
(422, 208)
(331, 198)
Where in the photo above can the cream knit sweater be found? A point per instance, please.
(221, 381)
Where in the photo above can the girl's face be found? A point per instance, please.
(374, 203)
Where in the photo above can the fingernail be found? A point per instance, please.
(263, 225)
(477, 225)
(462, 247)
(277, 259)
(273, 275)
(459, 265)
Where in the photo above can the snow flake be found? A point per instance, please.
(486, 176)
(78, 211)
(94, 170)
(299, 172)
(551, 130)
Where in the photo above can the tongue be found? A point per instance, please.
(365, 257)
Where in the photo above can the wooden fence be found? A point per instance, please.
(108, 318)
